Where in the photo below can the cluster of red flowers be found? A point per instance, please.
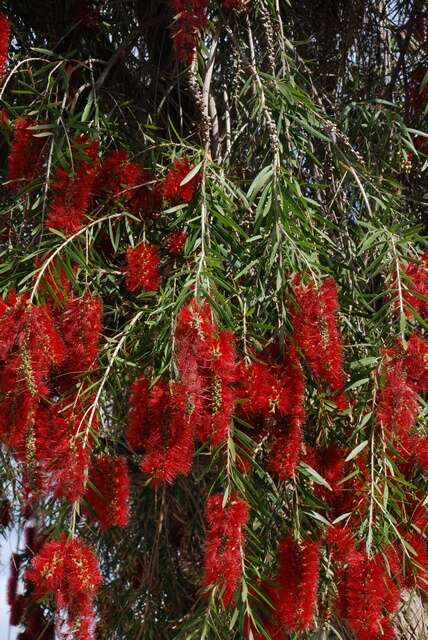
(297, 583)
(72, 191)
(367, 594)
(190, 19)
(121, 179)
(41, 350)
(4, 42)
(30, 347)
(177, 187)
(207, 365)
(273, 389)
(107, 493)
(67, 570)
(317, 334)
(406, 375)
(80, 325)
(291, 594)
(224, 544)
(160, 425)
(62, 437)
(415, 287)
(26, 154)
(175, 242)
(142, 268)
(418, 94)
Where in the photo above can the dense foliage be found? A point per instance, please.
(213, 314)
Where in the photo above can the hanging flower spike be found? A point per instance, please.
(190, 18)
(63, 445)
(72, 193)
(30, 348)
(173, 189)
(107, 491)
(406, 376)
(26, 155)
(81, 325)
(415, 287)
(298, 583)
(67, 570)
(175, 242)
(142, 269)
(169, 444)
(118, 176)
(317, 334)
(367, 595)
(5, 30)
(224, 544)
(160, 424)
(222, 388)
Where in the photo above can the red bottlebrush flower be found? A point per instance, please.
(195, 322)
(118, 176)
(4, 42)
(285, 453)
(222, 375)
(207, 364)
(406, 375)
(190, 18)
(72, 193)
(297, 583)
(367, 595)
(173, 189)
(417, 572)
(160, 424)
(317, 334)
(107, 492)
(415, 287)
(421, 452)
(67, 570)
(30, 347)
(142, 269)
(169, 441)
(341, 543)
(81, 325)
(26, 154)
(415, 362)
(273, 393)
(63, 445)
(175, 242)
(418, 94)
(224, 544)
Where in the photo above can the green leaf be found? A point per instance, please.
(356, 450)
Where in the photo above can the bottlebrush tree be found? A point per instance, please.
(213, 315)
